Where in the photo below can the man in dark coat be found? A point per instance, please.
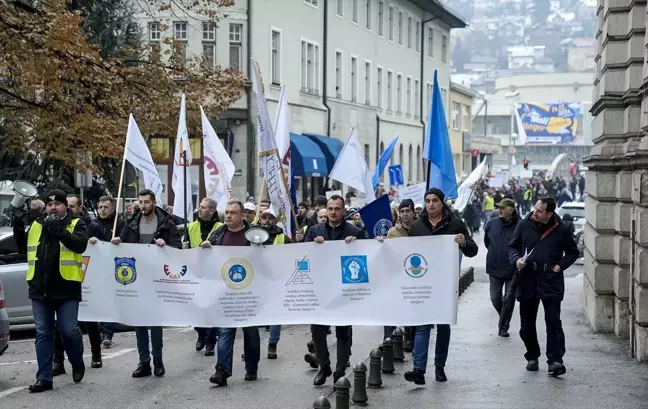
(437, 219)
(498, 232)
(550, 250)
(149, 224)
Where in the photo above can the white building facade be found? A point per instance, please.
(364, 64)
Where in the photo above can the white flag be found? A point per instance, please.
(179, 183)
(269, 155)
(465, 190)
(218, 166)
(351, 168)
(282, 137)
(138, 154)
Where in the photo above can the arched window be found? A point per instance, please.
(410, 171)
(419, 164)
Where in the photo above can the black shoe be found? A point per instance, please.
(311, 347)
(96, 361)
(158, 366)
(250, 376)
(439, 374)
(417, 376)
(311, 360)
(272, 351)
(503, 333)
(41, 386)
(106, 341)
(77, 372)
(209, 350)
(320, 378)
(532, 365)
(220, 377)
(337, 376)
(557, 369)
(57, 369)
(200, 344)
(143, 369)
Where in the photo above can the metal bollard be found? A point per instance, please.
(399, 354)
(360, 384)
(408, 339)
(342, 393)
(388, 356)
(322, 403)
(375, 379)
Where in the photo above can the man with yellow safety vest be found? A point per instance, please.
(488, 205)
(198, 232)
(55, 245)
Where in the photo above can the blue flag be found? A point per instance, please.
(382, 162)
(377, 217)
(437, 149)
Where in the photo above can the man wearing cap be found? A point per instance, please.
(55, 245)
(498, 232)
(437, 219)
(405, 220)
(250, 212)
(199, 230)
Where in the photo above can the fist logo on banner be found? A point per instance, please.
(237, 273)
(354, 269)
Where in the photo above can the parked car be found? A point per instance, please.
(13, 269)
(4, 323)
(577, 211)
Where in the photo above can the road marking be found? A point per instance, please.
(104, 356)
(12, 390)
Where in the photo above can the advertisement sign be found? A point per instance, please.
(547, 122)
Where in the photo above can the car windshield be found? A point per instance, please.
(578, 212)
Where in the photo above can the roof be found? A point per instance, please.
(461, 89)
(441, 12)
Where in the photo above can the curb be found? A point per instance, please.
(466, 278)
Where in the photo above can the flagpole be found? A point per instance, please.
(121, 180)
(285, 182)
(183, 156)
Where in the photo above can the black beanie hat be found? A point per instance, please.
(436, 192)
(406, 203)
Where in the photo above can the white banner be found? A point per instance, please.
(218, 168)
(415, 192)
(180, 186)
(405, 281)
(138, 154)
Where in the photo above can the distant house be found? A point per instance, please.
(581, 55)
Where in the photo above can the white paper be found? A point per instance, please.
(527, 253)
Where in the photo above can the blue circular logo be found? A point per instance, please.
(237, 273)
(415, 265)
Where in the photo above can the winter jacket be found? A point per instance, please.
(537, 279)
(450, 224)
(47, 283)
(216, 238)
(330, 233)
(497, 235)
(166, 229)
(102, 229)
(397, 231)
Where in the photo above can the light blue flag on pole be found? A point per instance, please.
(437, 149)
(382, 162)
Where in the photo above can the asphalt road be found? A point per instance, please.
(484, 371)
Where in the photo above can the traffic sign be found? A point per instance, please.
(396, 175)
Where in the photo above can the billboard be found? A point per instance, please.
(547, 122)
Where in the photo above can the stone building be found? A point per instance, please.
(616, 235)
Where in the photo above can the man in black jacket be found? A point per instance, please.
(55, 245)
(437, 219)
(550, 250)
(336, 229)
(232, 233)
(149, 225)
(497, 235)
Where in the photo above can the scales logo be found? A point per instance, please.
(125, 272)
(237, 273)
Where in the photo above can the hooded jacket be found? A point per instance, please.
(497, 235)
(102, 229)
(166, 229)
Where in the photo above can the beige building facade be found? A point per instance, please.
(460, 127)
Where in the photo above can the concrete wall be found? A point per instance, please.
(616, 234)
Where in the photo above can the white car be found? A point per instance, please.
(577, 211)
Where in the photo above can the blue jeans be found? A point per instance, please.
(422, 344)
(108, 329)
(275, 334)
(142, 336)
(251, 348)
(388, 332)
(67, 321)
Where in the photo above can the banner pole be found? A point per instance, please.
(121, 182)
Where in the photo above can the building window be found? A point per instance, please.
(410, 168)
(155, 32)
(444, 97)
(409, 96)
(379, 91)
(456, 108)
(338, 74)
(180, 30)
(390, 91)
(340, 8)
(466, 118)
(430, 42)
(409, 33)
(444, 49)
(399, 93)
(418, 37)
(354, 78)
(391, 23)
(417, 93)
(312, 2)
(276, 57)
(368, 15)
(381, 22)
(400, 28)
(428, 102)
(236, 46)
(354, 11)
(367, 83)
(310, 67)
(209, 43)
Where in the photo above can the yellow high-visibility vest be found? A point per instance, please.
(489, 203)
(280, 239)
(195, 238)
(69, 261)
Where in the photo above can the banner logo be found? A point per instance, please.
(382, 227)
(84, 266)
(300, 275)
(125, 272)
(172, 275)
(415, 265)
(237, 273)
(354, 269)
